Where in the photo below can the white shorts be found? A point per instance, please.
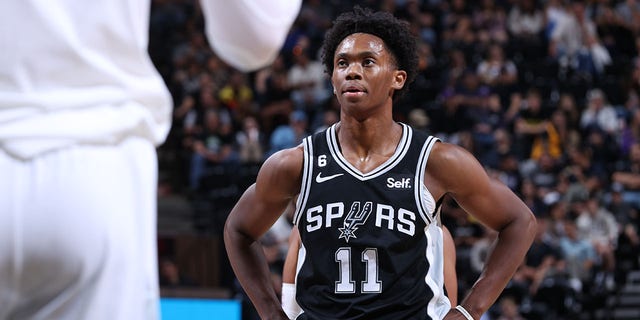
(78, 234)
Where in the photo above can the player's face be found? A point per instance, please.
(365, 73)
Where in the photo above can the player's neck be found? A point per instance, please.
(367, 144)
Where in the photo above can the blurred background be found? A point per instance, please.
(546, 94)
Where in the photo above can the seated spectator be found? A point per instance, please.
(530, 122)
(273, 92)
(575, 45)
(543, 267)
(290, 134)
(630, 134)
(530, 194)
(628, 244)
(599, 113)
(526, 23)
(599, 226)
(460, 100)
(426, 86)
(555, 221)
(215, 145)
(308, 82)
(237, 96)
(457, 26)
(627, 12)
(579, 255)
(498, 72)
(250, 141)
(489, 19)
(485, 119)
(628, 175)
(543, 173)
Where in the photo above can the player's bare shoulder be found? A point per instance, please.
(451, 166)
(283, 170)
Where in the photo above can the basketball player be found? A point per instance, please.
(81, 111)
(288, 299)
(369, 192)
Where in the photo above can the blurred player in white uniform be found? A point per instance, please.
(82, 109)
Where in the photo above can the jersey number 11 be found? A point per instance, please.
(346, 284)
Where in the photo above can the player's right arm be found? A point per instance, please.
(257, 210)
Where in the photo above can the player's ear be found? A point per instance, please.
(399, 78)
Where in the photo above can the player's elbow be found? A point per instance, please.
(229, 233)
(529, 226)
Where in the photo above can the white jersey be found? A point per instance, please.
(78, 71)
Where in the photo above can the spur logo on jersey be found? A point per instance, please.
(355, 218)
(386, 216)
(401, 183)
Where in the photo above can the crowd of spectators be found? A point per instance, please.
(546, 94)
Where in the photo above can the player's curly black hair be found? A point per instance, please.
(394, 33)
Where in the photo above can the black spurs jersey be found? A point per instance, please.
(371, 244)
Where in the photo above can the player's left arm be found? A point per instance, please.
(456, 172)
(450, 276)
(289, 303)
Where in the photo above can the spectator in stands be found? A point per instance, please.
(575, 45)
(531, 121)
(426, 86)
(557, 216)
(215, 145)
(507, 171)
(489, 19)
(480, 250)
(599, 113)
(461, 99)
(485, 120)
(628, 219)
(456, 24)
(579, 255)
(550, 140)
(530, 194)
(186, 79)
(273, 92)
(616, 33)
(542, 264)
(629, 13)
(307, 81)
(630, 134)
(599, 226)
(555, 12)
(290, 134)
(315, 18)
(499, 73)
(628, 175)
(567, 103)
(250, 141)
(526, 23)
(237, 96)
(423, 20)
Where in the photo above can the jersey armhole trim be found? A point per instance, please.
(421, 202)
(307, 172)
